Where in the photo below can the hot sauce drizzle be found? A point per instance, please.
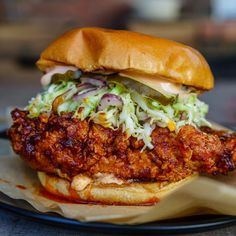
(72, 200)
(21, 186)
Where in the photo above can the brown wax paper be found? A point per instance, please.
(200, 195)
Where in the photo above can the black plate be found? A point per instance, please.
(181, 225)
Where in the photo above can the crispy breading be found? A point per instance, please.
(64, 143)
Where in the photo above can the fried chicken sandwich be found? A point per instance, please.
(119, 120)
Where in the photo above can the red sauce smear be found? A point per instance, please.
(69, 200)
(21, 186)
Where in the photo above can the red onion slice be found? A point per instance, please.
(83, 86)
(88, 93)
(94, 81)
(110, 99)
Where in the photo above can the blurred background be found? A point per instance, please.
(28, 26)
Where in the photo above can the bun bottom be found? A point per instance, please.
(109, 194)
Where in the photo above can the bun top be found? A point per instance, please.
(97, 49)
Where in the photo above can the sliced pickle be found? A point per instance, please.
(161, 97)
(68, 76)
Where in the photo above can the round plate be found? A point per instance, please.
(182, 225)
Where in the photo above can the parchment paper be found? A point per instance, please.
(201, 195)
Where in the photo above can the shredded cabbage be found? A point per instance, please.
(138, 116)
(43, 101)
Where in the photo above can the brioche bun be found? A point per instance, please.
(97, 49)
(126, 194)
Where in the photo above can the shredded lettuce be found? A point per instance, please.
(138, 117)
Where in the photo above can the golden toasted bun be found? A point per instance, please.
(128, 194)
(97, 49)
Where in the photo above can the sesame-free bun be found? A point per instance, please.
(124, 194)
(97, 49)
